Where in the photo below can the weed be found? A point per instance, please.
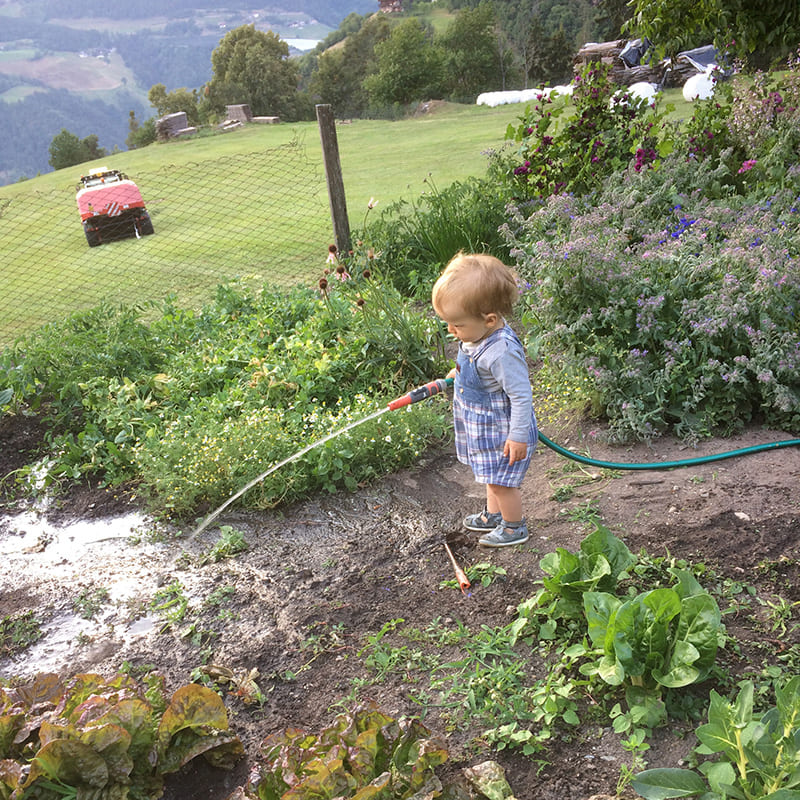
(636, 745)
(89, 602)
(230, 543)
(562, 494)
(586, 512)
(483, 573)
(18, 632)
(328, 639)
(171, 603)
(780, 614)
(220, 596)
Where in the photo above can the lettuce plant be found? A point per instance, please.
(599, 564)
(667, 637)
(361, 755)
(100, 739)
(757, 757)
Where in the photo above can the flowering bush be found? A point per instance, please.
(607, 131)
(689, 325)
(227, 392)
(752, 124)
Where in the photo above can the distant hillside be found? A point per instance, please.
(84, 65)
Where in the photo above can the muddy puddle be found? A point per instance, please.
(85, 585)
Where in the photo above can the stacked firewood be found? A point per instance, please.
(661, 73)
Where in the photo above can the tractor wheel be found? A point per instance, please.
(145, 225)
(92, 237)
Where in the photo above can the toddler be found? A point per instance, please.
(495, 426)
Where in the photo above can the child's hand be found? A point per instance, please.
(451, 374)
(515, 451)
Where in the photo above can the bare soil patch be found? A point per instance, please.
(321, 576)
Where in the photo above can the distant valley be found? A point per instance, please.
(84, 65)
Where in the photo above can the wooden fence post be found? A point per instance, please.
(333, 173)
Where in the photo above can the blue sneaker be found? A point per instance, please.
(483, 522)
(504, 535)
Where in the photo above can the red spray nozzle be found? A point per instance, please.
(421, 393)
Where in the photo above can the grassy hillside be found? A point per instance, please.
(224, 206)
(250, 204)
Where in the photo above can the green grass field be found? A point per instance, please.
(243, 204)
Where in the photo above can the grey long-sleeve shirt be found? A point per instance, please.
(502, 367)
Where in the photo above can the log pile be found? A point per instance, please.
(171, 126)
(661, 73)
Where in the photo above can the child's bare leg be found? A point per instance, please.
(505, 499)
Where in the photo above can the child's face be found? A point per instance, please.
(465, 327)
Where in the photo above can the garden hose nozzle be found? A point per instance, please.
(421, 393)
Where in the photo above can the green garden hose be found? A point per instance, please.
(434, 387)
(686, 462)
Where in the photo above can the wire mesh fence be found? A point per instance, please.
(259, 217)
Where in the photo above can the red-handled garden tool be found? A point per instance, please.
(461, 576)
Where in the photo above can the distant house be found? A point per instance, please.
(391, 6)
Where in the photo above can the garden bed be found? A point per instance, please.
(290, 628)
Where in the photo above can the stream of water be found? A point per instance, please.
(299, 454)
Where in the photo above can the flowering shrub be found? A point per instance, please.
(689, 325)
(607, 131)
(752, 124)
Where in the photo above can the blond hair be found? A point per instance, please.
(479, 283)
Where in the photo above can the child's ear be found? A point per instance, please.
(490, 319)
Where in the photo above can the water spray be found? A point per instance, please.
(414, 396)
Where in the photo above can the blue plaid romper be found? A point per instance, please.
(482, 419)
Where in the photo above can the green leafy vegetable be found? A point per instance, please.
(757, 758)
(112, 739)
(362, 755)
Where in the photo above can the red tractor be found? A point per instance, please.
(111, 207)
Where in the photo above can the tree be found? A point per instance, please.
(472, 60)
(408, 66)
(174, 102)
(341, 70)
(611, 17)
(67, 150)
(550, 57)
(253, 67)
(759, 31)
(515, 20)
(140, 135)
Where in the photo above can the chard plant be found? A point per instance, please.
(757, 756)
(601, 562)
(117, 738)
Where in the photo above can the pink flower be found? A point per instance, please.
(747, 165)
